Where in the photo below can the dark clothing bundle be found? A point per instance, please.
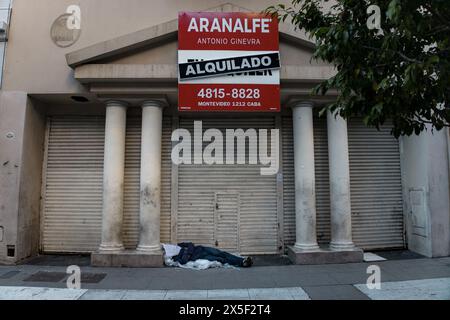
(190, 252)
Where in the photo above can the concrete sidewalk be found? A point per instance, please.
(410, 278)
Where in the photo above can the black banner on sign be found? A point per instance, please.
(211, 68)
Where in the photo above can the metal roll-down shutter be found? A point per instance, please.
(212, 199)
(72, 212)
(73, 175)
(376, 187)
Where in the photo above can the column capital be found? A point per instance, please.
(116, 103)
(300, 104)
(155, 103)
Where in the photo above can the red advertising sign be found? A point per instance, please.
(228, 62)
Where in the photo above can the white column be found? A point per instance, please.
(150, 192)
(113, 176)
(341, 220)
(305, 196)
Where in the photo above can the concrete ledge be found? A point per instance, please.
(91, 73)
(324, 256)
(129, 259)
(120, 45)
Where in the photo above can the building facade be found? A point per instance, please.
(86, 123)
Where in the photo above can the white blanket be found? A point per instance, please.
(199, 264)
(171, 250)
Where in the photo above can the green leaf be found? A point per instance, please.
(433, 59)
(378, 108)
(393, 9)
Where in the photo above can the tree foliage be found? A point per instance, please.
(401, 73)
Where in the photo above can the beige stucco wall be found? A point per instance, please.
(12, 120)
(20, 174)
(28, 221)
(35, 65)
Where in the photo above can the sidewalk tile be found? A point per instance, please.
(298, 293)
(93, 294)
(31, 293)
(372, 257)
(337, 292)
(231, 294)
(144, 295)
(428, 289)
(270, 294)
(186, 295)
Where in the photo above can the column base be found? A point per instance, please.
(127, 258)
(306, 247)
(149, 249)
(324, 256)
(111, 248)
(348, 246)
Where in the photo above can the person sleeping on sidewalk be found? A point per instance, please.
(187, 251)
